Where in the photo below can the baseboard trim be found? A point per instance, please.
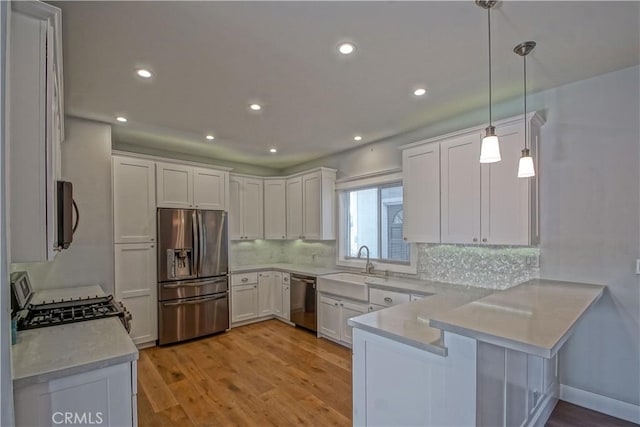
(599, 403)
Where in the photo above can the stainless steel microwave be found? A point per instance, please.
(66, 208)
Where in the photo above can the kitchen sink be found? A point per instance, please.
(347, 285)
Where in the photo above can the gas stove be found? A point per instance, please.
(73, 310)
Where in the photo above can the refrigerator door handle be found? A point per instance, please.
(201, 242)
(195, 230)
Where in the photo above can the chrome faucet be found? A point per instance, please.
(369, 266)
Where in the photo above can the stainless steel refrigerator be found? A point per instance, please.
(193, 290)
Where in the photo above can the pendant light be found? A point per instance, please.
(490, 149)
(525, 167)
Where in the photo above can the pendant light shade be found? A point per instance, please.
(526, 168)
(490, 148)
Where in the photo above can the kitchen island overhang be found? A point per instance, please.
(491, 361)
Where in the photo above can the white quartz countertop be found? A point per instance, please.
(291, 268)
(409, 323)
(534, 317)
(44, 354)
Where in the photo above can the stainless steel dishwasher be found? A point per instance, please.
(303, 301)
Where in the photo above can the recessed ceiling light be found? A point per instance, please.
(210, 137)
(420, 91)
(255, 107)
(142, 72)
(273, 150)
(121, 119)
(357, 138)
(346, 48)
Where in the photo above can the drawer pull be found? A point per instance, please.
(245, 279)
(388, 299)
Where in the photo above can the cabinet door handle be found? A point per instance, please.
(283, 237)
(484, 240)
(387, 299)
(152, 239)
(475, 239)
(404, 238)
(245, 279)
(255, 286)
(335, 303)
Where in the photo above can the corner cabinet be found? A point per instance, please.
(310, 205)
(37, 129)
(275, 209)
(245, 208)
(455, 199)
(182, 186)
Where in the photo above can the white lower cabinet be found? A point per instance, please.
(265, 293)
(256, 296)
(244, 302)
(136, 288)
(333, 317)
(103, 397)
(286, 295)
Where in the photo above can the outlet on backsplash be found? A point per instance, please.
(532, 260)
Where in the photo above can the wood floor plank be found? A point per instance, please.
(153, 385)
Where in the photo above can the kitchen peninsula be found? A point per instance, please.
(494, 363)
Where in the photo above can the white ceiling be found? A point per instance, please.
(211, 59)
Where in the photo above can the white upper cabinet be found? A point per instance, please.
(246, 208)
(294, 208)
(175, 186)
(460, 196)
(421, 193)
(134, 200)
(310, 205)
(508, 208)
(209, 188)
(37, 129)
(275, 209)
(478, 203)
(182, 186)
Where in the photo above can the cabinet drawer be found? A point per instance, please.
(244, 279)
(387, 298)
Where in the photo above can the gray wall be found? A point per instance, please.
(590, 213)
(590, 224)
(86, 161)
(6, 383)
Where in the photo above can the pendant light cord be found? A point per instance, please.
(526, 135)
(489, 21)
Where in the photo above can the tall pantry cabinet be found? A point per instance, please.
(134, 213)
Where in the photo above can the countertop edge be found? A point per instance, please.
(255, 269)
(434, 349)
(398, 287)
(492, 339)
(73, 370)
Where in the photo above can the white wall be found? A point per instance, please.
(590, 224)
(6, 383)
(86, 162)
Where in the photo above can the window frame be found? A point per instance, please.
(345, 260)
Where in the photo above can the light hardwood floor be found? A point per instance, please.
(266, 374)
(263, 374)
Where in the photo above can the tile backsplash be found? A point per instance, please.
(495, 267)
(256, 252)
